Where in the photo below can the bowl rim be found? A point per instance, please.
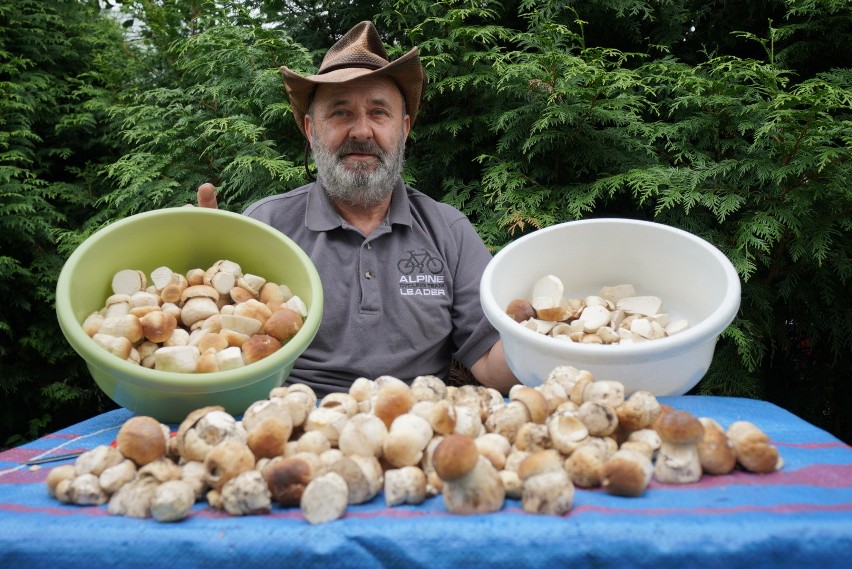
(175, 382)
(694, 336)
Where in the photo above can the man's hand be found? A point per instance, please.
(207, 196)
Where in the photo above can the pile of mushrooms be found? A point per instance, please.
(202, 321)
(468, 443)
(615, 315)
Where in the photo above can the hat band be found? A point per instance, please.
(350, 66)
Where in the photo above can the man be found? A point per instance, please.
(400, 271)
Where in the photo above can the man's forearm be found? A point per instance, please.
(491, 370)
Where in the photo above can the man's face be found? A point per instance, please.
(357, 133)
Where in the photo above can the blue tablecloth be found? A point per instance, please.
(798, 517)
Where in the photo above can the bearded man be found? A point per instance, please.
(400, 271)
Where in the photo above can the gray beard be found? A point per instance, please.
(360, 187)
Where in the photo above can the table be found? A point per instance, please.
(800, 516)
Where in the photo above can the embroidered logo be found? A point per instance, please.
(421, 275)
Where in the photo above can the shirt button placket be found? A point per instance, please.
(369, 284)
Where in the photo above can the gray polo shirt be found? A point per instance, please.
(401, 302)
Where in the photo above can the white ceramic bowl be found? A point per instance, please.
(692, 277)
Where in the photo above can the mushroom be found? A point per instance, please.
(288, 477)
(585, 465)
(128, 281)
(428, 388)
(180, 359)
(754, 452)
(471, 484)
(203, 429)
(599, 418)
(406, 440)
(283, 324)
(507, 419)
(406, 485)
(342, 402)
(172, 501)
(532, 399)
(547, 487)
(116, 476)
(328, 420)
(468, 421)
(441, 415)
(65, 472)
(158, 326)
(226, 461)
(269, 437)
(532, 437)
(246, 494)
(715, 450)
(512, 484)
(363, 434)
(97, 459)
(124, 326)
(199, 303)
(222, 275)
(134, 498)
(520, 309)
(116, 345)
(161, 470)
(567, 432)
(547, 298)
(360, 477)
(627, 473)
(638, 411)
(325, 499)
(142, 439)
(85, 490)
(258, 347)
(495, 447)
(677, 460)
(392, 400)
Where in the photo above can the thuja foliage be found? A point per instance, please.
(728, 119)
(745, 152)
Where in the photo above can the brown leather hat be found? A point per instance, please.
(359, 53)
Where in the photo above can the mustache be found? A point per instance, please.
(357, 147)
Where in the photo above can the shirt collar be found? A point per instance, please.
(320, 214)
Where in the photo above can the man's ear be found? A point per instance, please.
(309, 130)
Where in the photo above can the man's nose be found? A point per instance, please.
(361, 128)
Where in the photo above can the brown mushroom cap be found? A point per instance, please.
(283, 324)
(455, 456)
(287, 479)
(268, 438)
(158, 326)
(627, 473)
(195, 291)
(533, 400)
(141, 439)
(681, 427)
(258, 347)
(539, 462)
(715, 451)
(520, 310)
(392, 400)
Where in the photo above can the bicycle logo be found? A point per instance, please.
(417, 261)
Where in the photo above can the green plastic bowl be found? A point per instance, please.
(183, 238)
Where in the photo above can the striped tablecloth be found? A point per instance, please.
(798, 517)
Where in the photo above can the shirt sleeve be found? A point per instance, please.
(473, 335)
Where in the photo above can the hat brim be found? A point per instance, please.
(406, 71)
